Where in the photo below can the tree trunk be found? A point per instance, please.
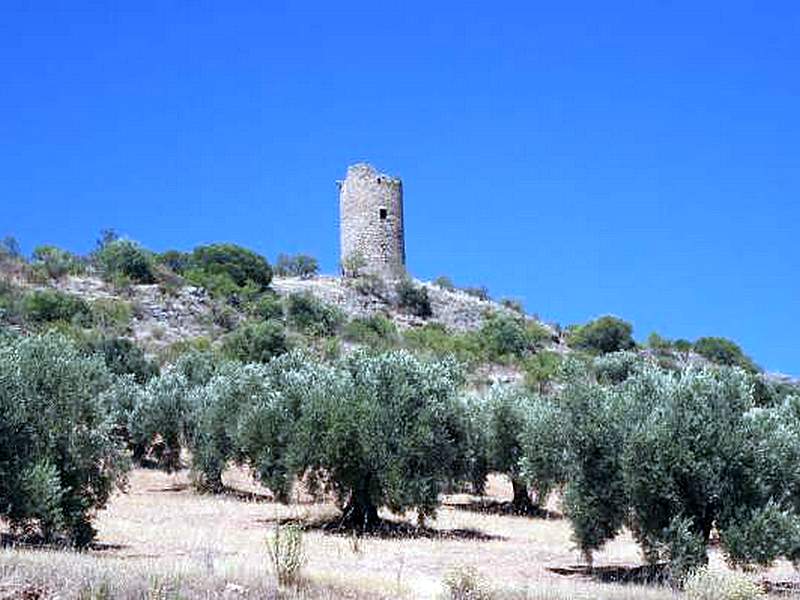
(522, 500)
(360, 513)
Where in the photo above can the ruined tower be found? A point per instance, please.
(371, 222)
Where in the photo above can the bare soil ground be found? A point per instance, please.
(162, 531)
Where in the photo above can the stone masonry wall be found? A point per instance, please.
(371, 221)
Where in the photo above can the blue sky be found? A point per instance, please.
(634, 158)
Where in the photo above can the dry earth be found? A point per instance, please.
(160, 528)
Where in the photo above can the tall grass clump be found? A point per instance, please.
(705, 584)
(287, 556)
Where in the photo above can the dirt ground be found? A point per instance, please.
(161, 521)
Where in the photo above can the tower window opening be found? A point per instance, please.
(383, 214)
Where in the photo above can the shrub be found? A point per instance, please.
(705, 584)
(724, 352)
(298, 265)
(286, 553)
(445, 283)
(125, 260)
(376, 331)
(312, 316)
(603, 335)
(122, 356)
(175, 260)
(616, 367)
(480, 292)
(436, 339)
(226, 268)
(541, 370)
(513, 304)
(269, 306)
(9, 248)
(353, 265)
(370, 284)
(255, 341)
(55, 263)
(659, 344)
(413, 298)
(503, 335)
(47, 306)
(111, 317)
(59, 457)
(465, 583)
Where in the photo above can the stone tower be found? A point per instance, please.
(371, 222)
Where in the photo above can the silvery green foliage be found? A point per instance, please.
(217, 408)
(543, 465)
(385, 430)
(59, 455)
(675, 454)
(521, 436)
(594, 498)
(162, 421)
(617, 367)
(162, 418)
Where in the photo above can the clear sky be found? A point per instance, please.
(635, 158)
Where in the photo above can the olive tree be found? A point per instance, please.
(59, 456)
(675, 455)
(373, 429)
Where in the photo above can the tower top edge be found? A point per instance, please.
(364, 169)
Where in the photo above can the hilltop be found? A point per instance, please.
(222, 297)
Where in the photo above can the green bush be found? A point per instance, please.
(122, 356)
(298, 265)
(436, 339)
(268, 306)
(255, 341)
(312, 316)
(413, 299)
(176, 261)
(47, 306)
(504, 336)
(59, 456)
(126, 260)
(603, 335)
(54, 263)
(445, 283)
(226, 268)
(541, 370)
(513, 304)
(724, 352)
(377, 331)
(111, 317)
(479, 292)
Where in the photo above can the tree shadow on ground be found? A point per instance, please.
(386, 529)
(639, 574)
(37, 542)
(491, 506)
